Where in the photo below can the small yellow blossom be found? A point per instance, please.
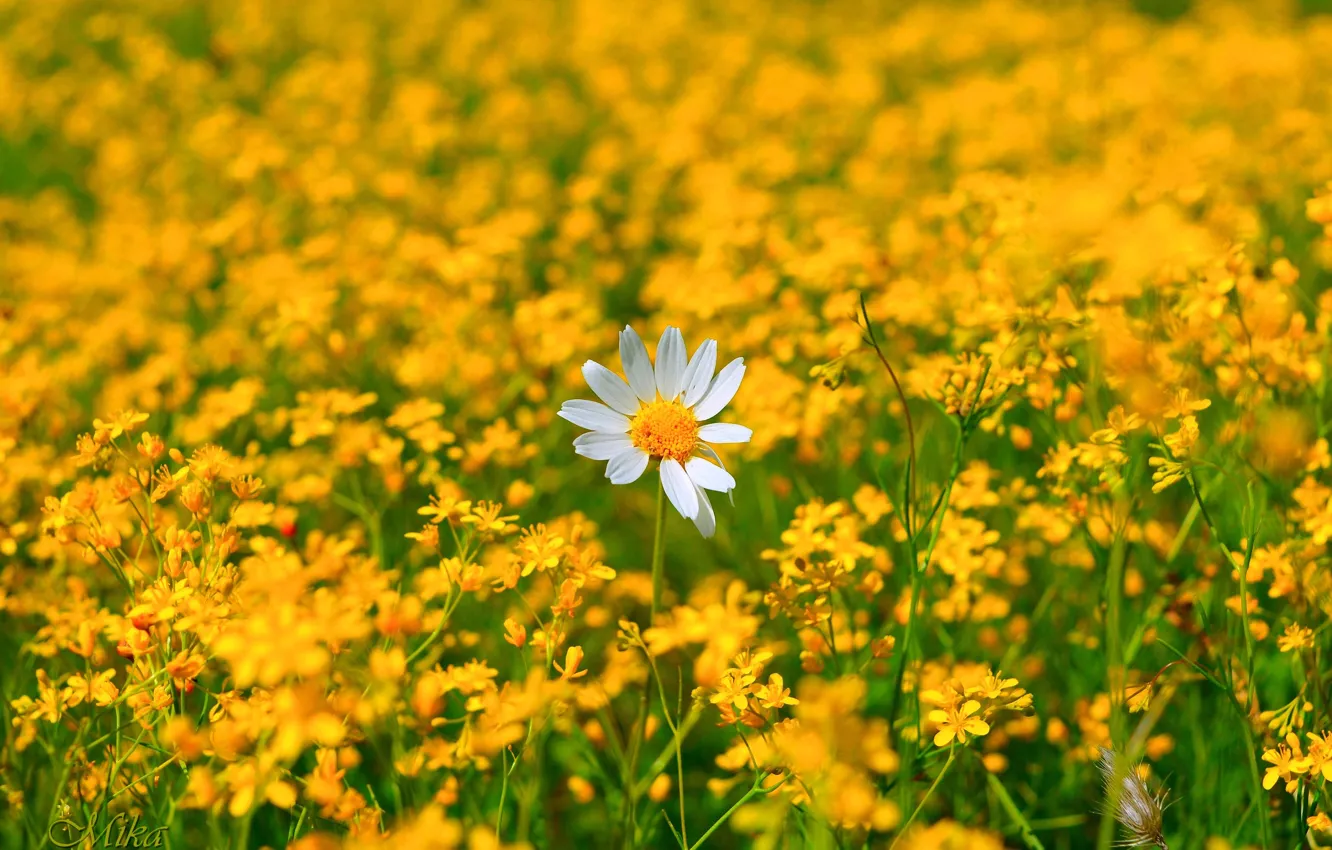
(957, 722)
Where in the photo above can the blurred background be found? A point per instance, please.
(273, 225)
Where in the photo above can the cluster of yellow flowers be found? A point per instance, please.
(1011, 325)
(1301, 773)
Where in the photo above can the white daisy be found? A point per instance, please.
(659, 414)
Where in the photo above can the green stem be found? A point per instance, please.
(504, 793)
(60, 788)
(149, 775)
(1114, 591)
(952, 752)
(675, 736)
(1251, 532)
(1259, 796)
(445, 615)
(632, 792)
(659, 763)
(756, 790)
(1113, 628)
(1028, 834)
(873, 340)
(918, 571)
(658, 553)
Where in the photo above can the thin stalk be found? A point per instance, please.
(918, 576)
(640, 727)
(1026, 831)
(906, 413)
(1113, 638)
(1114, 581)
(444, 618)
(1252, 534)
(675, 736)
(667, 752)
(1242, 714)
(952, 752)
(149, 775)
(658, 553)
(757, 790)
(504, 793)
(918, 570)
(1259, 795)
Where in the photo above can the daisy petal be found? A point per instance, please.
(698, 374)
(598, 446)
(724, 432)
(706, 521)
(637, 366)
(679, 489)
(670, 363)
(716, 458)
(712, 453)
(709, 476)
(594, 415)
(627, 466)
(610, 388)
(722, 390)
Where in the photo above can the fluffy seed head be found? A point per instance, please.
(1134, 805)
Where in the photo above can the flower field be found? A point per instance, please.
(660, 424)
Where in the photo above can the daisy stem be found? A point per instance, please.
(640, 725)
(658, 553)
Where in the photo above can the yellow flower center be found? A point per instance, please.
(665, 429)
